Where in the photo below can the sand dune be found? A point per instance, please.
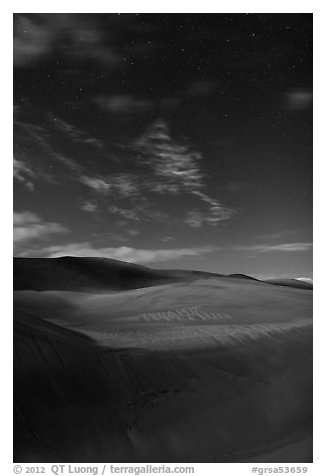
(294, 283)
(103, 275)
(241, 276)
(90, 274)
(206, 370)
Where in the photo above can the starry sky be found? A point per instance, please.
(169, 140)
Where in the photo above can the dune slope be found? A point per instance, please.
(212, 370)
(89, 275)
(70, 273)
(294, 283)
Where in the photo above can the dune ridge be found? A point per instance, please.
(70, 273)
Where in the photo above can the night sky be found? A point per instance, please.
(170, 140)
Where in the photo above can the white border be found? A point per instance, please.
(168, 6)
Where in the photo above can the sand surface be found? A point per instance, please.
(213, 369)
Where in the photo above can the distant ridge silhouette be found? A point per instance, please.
(89, 274)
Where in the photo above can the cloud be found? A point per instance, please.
(121, 188)
(166, 239)
(298, 99)
(66, 161)
(97, 184)
(124, 104)
(123, 253)
(168, 160)
(162, 188)
(90, 44)
(217, 212)
(163, 167)
(42, 140)
(281, 235)
(133, 232)
(74, 36)
(89, 207)
(22, 173)
(28, 226)
(31, 40)
(305, 280)
(176, 168)
(119, 184)
(94, 141)
(44, 154)
(24, 217)
(194, 219)
(38, 134)
(71, 130)
(125, 185)
(283, 247)
(74, 132)
(130, 104)
(130, 214)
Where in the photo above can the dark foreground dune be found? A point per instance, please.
(197, 369)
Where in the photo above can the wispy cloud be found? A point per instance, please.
(75, 133)
(74, 36)
(34, 132)
(65, 160)
(119, 184)
(130, 214)
(23, 173)
(161, 167)
(94, 183)
(176, 168)
(132, 232)
(280, 235)
(195, 219)
(123, 253)
(31, 41)
(40, 138)
(168, 160)
(283, 247)
(124, 104)
(29, 226)
(297, 99)
(217, 212)
(89, 207)
(130, 104)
